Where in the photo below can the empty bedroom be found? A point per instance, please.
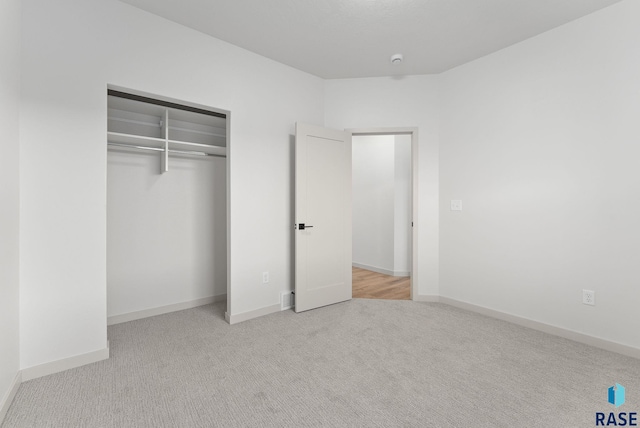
(185, 217)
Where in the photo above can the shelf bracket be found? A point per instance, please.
(164, 167)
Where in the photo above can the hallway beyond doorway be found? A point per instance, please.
(373, 285)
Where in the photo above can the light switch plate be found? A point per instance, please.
(456, 205)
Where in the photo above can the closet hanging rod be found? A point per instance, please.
(156, 149)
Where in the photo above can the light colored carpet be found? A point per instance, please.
(367, 363)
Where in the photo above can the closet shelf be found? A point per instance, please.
(158, 144)
(137, 122)
(195, 131)
(179, 152)
(197, 147)
(135, 140)
(143, 123)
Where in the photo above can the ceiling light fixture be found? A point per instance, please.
(396, 59)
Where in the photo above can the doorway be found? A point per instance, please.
(383, 211)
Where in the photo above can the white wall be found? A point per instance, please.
(166, 233)
(71, 50)
(373, 182)
(410, 101)
(540, 142)
(9, 194)
(402, 205)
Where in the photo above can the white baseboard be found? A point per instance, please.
(145, 313)
(546, 328)
(426, 298)
(380, 270)
(65, 364)
(8, 397)
(245, 316)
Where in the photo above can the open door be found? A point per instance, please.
(323, 217)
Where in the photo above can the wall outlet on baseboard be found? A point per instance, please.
(589, 297)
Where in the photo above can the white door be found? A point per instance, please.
(323, 217)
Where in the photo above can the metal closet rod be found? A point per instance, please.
(156, 149)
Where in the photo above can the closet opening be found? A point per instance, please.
(167, 205)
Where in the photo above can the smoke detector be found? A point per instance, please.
(396, 59)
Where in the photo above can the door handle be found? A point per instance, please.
(302, 226)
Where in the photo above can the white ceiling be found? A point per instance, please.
(356, 38)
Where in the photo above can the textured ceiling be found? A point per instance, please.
(355, 38)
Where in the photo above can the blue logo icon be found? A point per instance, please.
(616, 395)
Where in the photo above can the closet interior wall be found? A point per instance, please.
(166, 231)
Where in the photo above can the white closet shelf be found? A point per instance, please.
(165, 126)
(159, 143)
(195, 131)
(135, 140)
(197, 147)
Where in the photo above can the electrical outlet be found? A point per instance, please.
(589, 297)
(456, 205)
(265, 277)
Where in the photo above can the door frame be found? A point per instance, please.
(413, 131)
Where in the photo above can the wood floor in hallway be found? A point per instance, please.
(374, 285)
